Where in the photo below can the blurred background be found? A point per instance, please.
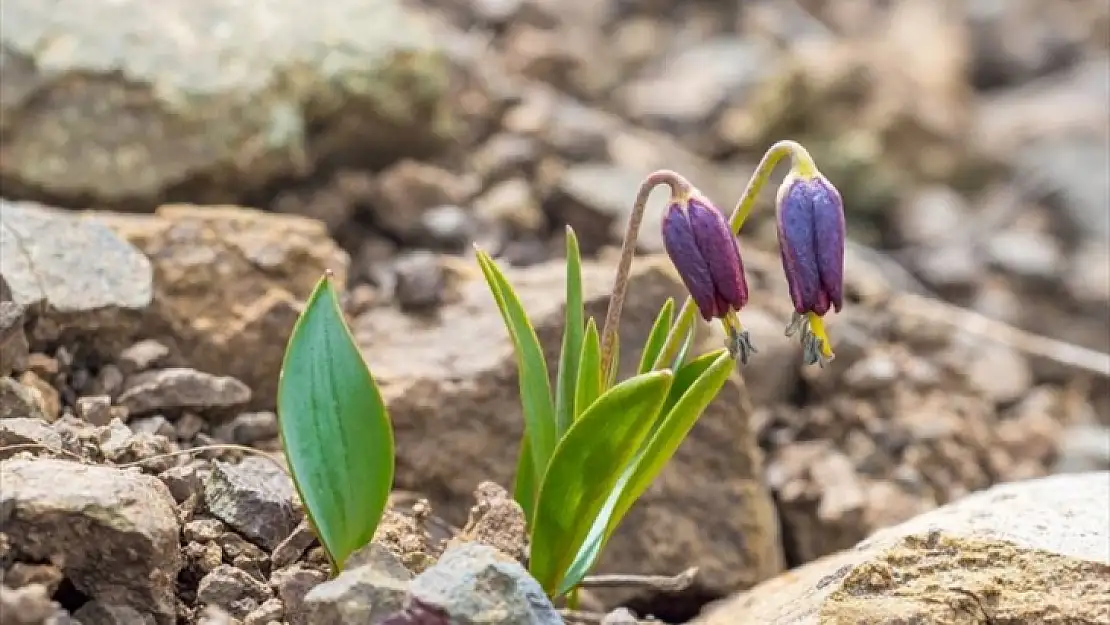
(970, 141)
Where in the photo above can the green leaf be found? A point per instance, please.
(535, 388)
(684, 349)
(586, 465)
(614, 363)
(334, 427)
(524, 485)
(571, 352)
(588, 388)
(695, 386)
(658, 336)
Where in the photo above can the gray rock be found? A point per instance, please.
(232, 590)
(115, 531)
(144, 355)
(97, 613)
(620, 616)
(420, 281)
(179, 388)
(363, 594)
(476, 584)
(249, 427)
(291, 585)
(27, 431)
(596, 199)
(73, 274)
(96, 409)
(19, 401)
(183, 481)
(255, 497)
(29, 605)
(697, 81)
(1084, 448)
(293, 546)
(13, 340)
(132, 105)
(271, 611)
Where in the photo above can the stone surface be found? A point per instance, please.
(453, 399)
(71, 275)
(229, 280)
(113, 532)
(14, 348)
(179, 388)
(121, 103)
(233, 590)
(362, 594)
(255, 497)
(476, 584)
(994, 555)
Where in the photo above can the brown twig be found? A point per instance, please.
(679, 187)
(657, 583)
(171, 454)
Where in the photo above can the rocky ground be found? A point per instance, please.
(175, 179)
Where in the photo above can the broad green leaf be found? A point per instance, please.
(535, 387)
(588, 388)
(567, 379)
(334, 427)
(658, 336)
(700, 381)
(586, 464)
(524, 484)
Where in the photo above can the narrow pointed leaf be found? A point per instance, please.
(684, 350)
(524, 484)
(571, 352)
(586, 465)
(535, 388)
(657, 337)
(695, 387)
(334, 427)
(588, 388)
(615, 364)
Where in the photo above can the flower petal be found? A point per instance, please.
(828, 218)
(682, 248)
(796, 230)
(721, 253)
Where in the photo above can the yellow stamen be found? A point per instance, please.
(817, 327)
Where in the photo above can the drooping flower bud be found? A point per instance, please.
(707, 257)
(810, 215)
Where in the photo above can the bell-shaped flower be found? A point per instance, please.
(707, 256)
(810, 215)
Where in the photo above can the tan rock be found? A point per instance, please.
(229, 282)
(1024, 552)
(451, 387)
(128, 102)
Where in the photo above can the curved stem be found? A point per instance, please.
(803, 163)
(679, 187)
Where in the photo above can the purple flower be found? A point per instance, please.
(810, 217)
(811, 241)
(704, 251)
(707, 257)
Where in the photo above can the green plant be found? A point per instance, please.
(334, 427)
(593, 448)
(592, 444)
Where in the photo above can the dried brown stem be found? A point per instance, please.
(172, 454)
(656, 583)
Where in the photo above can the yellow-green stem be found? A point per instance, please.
(803, 164)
